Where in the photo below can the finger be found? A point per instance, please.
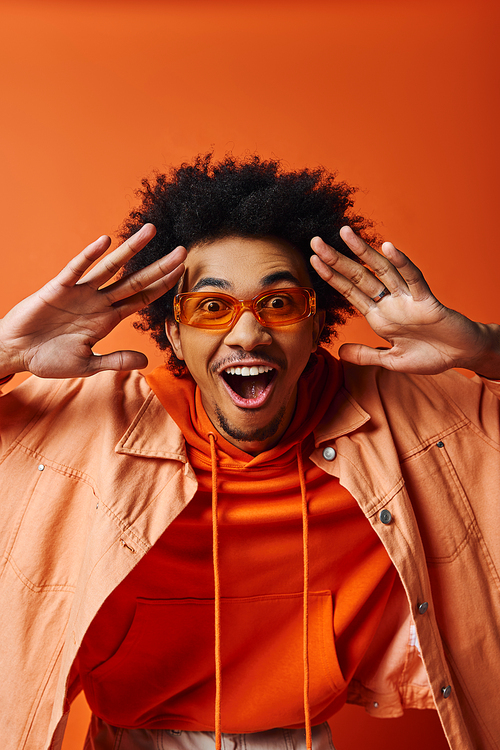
(380, 264)
(166, 270)
(362, 277)
(347, 288)
(117, 361)
(77, 266)
(141, 299)
(413, 276)
(114, 262)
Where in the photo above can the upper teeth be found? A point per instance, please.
(246, 371)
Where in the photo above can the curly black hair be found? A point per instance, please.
(207, 200)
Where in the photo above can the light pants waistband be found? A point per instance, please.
(102, 736)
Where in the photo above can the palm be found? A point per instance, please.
(52, 333)
(428, 338)
(425, 336)
(54, 330)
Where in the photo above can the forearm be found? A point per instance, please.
(487, 362)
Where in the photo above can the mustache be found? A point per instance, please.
(241, 357)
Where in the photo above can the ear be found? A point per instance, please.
(173, 335)
(318, 324)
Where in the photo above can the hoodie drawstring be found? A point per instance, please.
(305, 630)
(215, 553)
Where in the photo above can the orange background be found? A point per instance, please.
(400, 97)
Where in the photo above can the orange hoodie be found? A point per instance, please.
(148, 657)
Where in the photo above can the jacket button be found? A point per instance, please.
(440, 444)
(41, 467)
(329, 453)
(385, 516)
(422, 608)
(446, 691)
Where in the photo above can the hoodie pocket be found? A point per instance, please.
(163, 672)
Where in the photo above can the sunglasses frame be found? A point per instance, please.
(239, 306)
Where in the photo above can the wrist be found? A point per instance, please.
(10, 362)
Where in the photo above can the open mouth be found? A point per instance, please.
(249, 383)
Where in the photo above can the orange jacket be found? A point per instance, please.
(94, 470)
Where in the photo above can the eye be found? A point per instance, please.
(212, 306)
(276, 302)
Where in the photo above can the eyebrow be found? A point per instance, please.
(271, 278)
(211, 281)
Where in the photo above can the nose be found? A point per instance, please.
(247, 333)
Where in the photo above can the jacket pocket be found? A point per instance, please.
(164, 668)
(50, 531)
(439, 502)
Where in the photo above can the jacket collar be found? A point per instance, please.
(343, 416)
(154, 434)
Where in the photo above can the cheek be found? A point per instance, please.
(198, 348)
(306, 342)
(190, 344)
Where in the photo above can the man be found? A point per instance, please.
(336, 525)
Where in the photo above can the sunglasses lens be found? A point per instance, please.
(205, 311)
(283, 307)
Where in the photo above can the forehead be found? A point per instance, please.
(244, 264)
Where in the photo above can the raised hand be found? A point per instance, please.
(389, 290)
(52, 332)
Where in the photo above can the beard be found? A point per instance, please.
(250, 435)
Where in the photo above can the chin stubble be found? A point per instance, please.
(258, 434)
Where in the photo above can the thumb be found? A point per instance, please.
(361, 354)
(120, 360)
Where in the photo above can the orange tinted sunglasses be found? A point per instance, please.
(278, 307)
